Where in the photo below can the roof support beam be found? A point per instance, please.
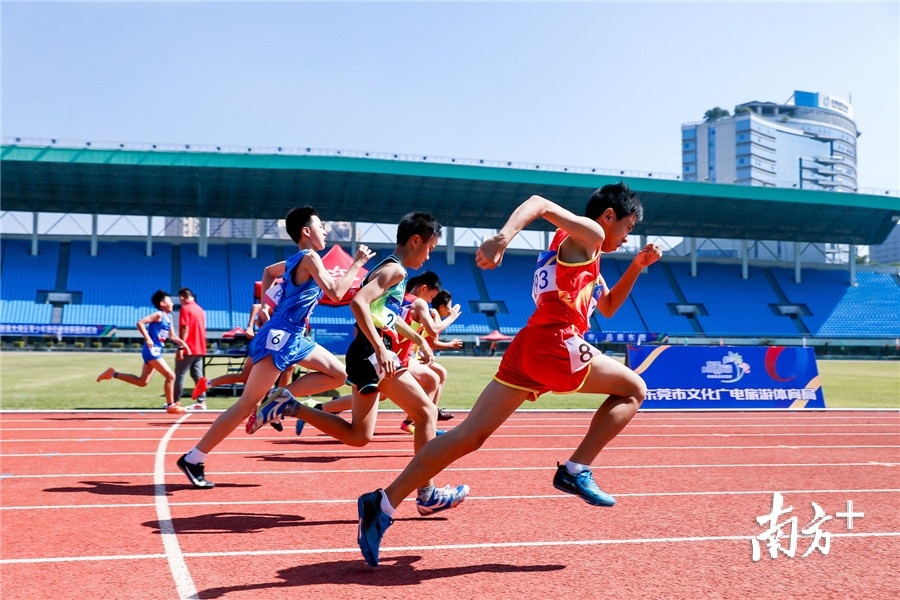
(745, 259)
(451, 245)
(34, 234)
(203, 246)
(94, 237)
(693, 257)
(149, 235)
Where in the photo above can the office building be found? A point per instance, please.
(807, 143)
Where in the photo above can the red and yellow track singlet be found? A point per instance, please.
(405, 347)
(565, 293)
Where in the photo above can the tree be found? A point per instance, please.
(714, 114)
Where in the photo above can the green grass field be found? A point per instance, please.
(66, 380)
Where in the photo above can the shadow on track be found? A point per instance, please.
(394, 571)
(124, 488)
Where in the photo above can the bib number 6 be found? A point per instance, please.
(277, 339)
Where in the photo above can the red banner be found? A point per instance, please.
(338, 262)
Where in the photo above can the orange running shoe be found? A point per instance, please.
(200, 388)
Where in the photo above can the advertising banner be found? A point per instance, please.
(67, 330)
(620, 337)
(728, 377)
(334, 338)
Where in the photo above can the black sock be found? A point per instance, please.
(291, 408)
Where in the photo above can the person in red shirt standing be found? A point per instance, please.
(191, 329)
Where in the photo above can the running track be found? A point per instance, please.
(94, 507)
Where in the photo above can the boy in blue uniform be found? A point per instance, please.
(282, 341)
(156, 329)
(373, 366)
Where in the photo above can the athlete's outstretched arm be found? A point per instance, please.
(583, 231)
(610, 301)
(335, 289)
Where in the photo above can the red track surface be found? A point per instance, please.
(93, 506)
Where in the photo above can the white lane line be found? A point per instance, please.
(125, 424)
(175, 557)
(408, 451)
(545, 423)
(437, 548)
(473, 469)
(469, 499)
(496, 436)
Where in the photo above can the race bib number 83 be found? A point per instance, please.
(544, 280)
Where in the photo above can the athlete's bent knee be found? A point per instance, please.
(358, 440)
(641, 391)
(424, 414)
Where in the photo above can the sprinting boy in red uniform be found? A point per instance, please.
(549, 354)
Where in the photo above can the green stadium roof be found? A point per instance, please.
(381, 190)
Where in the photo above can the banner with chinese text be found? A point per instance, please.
(620, 337)
(67, 330)
(728, 377)
(335, 338)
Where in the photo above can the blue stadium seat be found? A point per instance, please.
(627, 318)
(460, 281)
(820, 290)
(871, 309)
(22, 274)
(511, 283)
(736, 306)
(209, 278)
(24, 312)
(223, 284)
(652, 294)
(244, 272)
(121, 273)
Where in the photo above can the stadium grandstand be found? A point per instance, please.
(93, 285)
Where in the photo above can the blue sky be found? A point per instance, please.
(604, 85)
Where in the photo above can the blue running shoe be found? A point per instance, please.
(410, 428)
(581, 485)
(442, 499)
(372, 525)
(270, 410)
(309, 402)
